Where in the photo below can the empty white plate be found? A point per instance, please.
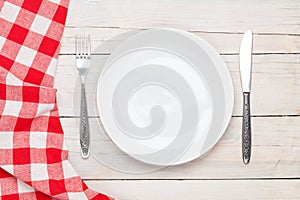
(165, 97)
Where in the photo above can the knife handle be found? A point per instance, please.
(246, 134)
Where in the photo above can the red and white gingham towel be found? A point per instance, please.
(33, 157)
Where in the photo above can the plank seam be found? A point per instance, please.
(234, 116)
(222, 54)
(205, 179)
(191, 31)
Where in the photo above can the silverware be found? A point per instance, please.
(83, 59)
(245, 72)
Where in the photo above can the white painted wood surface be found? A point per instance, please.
(274, 172)
(201, 189)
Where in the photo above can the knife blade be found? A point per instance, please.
(246, 72)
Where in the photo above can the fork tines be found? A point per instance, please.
(83, 46)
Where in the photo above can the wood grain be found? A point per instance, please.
(275, 80)
(274, 171)
(194, 15)
(200, 189)
(224, 43)
(276, 146)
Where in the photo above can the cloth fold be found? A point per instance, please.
(33, 156)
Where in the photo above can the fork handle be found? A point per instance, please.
(84, 125)
(246, 135)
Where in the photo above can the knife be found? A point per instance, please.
(245, 72)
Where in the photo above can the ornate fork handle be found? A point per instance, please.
(84, 125)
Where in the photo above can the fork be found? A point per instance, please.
(83, 60)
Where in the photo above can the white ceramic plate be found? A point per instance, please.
(165, 97)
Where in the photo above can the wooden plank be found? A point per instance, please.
(274, 86)
(224, 43)
(276, 149)
(276, 144)
(213, 16)
(200, 189)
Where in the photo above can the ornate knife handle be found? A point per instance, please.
(246, 135)
(84, 125)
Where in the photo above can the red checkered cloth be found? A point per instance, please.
(33, 157)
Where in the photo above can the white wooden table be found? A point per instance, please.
(274, 171)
